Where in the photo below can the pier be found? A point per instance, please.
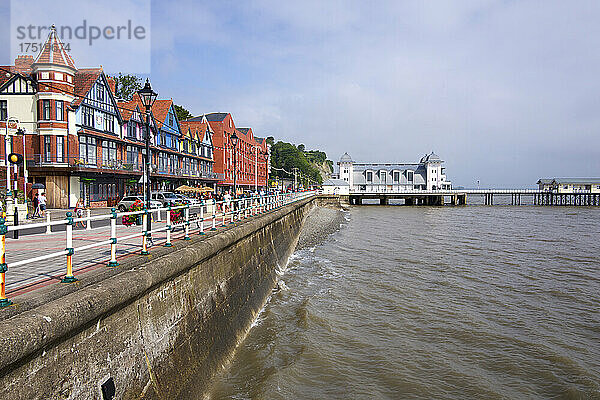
(489, 197)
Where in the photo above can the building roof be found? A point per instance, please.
(335, 182)
(83, 80)
(387, 167)
(160, 109)
(432, 157)
(244, 130)
(127, 108)
(53, 52)
(346, 158)
(580, 181)
(215, 117)
(545, 181)
(197, 128)
(259, 140)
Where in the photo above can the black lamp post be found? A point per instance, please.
(234, 142)
(148, 97)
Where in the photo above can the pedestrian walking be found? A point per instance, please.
(42, 201)
(36, 206)
(79, 207)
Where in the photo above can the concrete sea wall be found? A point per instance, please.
(157, 331)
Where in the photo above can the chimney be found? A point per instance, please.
(23, 64)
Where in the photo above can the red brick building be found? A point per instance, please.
(252, 153)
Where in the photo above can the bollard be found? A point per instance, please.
(4, 302)
(48, 227)
(113, 238)
(145, 233)
(187, 223)
(232, 212)
(88, 225)
(223, 214)
(168, 243)
(158, 215)
(69, 278)
(202, 217)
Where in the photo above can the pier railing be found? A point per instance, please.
(209, 215)
(450, 192)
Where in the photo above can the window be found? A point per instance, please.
(3, 110)
(369, 176)
(109, 153)
(132, 156)
(409, 176)
(87, 150)
(88, 116)
(131, 129)
(170, 119)
(58, 76)
(396, 176)
(100, 92)
(383, 176)
(60, 149)
(163, 162)
(109, 123)
(60, 110)
(47, 148)
(45, 109)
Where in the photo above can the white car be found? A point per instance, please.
(127, 201)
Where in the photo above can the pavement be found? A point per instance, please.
(36, 242)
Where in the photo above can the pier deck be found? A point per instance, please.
(459, 197)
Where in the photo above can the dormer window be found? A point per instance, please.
(369, 176)
(396, 176)
(409, 176)
(382, 176)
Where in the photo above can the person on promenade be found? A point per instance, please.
(42, 201)
(36, 206)
(226, 202)
(79, 207)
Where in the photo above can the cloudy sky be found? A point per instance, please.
(504, 91)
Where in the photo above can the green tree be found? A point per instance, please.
(182, 113)
(301, 147)
(286, 158)
(127, 86)
(270, 140)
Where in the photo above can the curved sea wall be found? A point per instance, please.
(157, 331)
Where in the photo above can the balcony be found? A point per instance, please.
(40, 160)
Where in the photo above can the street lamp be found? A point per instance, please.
(234, 142)
(148, 97)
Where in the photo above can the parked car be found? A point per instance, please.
(165, 198)
(188, 200)
(127, 201)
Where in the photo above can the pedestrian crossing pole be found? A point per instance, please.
(113, 238)
(4, 302)
(168, 243)
(69, 278)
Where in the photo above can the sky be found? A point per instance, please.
(506, 92)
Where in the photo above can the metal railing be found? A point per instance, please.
(209, 215)
(450, 191)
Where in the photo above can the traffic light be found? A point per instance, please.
(15, 158)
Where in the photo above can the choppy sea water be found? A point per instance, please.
(475, 302)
